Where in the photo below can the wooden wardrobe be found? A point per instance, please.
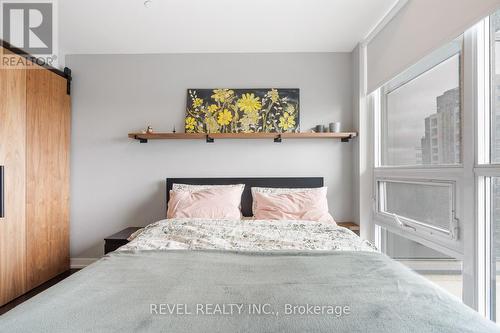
(35, 124)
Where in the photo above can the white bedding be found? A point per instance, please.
(245, 235)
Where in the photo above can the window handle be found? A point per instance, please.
(455, 228)
(410, 227)
(398, 221)
(401, 223)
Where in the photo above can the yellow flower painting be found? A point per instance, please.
(286, 121)
(224, 110)
(197, 102)
(274, 95)
(249, 103)
(222, 95)
(212, 108)
(190, 124)
(224, 117)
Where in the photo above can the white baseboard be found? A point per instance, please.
(81, 262)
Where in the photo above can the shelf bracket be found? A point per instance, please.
(278, 139)
(209, 139)
(346, 139)
(141, 140)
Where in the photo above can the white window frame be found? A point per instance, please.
(468, 246)
(418, 226)
(448, 243)
(484, 171)
(453, 175)
(472, 177)
(428, 63)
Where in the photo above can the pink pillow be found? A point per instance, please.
(310, 205)
(213, 203)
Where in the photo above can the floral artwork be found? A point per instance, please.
(242, 110)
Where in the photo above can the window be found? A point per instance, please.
(495, 83)
(495, 244)
(439, 268)
(488, 170)
(428, 205)
(421, 116)
(419, 174)
(437, 167)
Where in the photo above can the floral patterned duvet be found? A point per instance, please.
(246, 235)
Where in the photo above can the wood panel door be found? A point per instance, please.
(47, 176)
(12, 157)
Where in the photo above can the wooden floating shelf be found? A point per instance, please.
(277, 137)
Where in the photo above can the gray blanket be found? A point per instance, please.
(202, 291)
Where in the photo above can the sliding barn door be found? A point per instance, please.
(47, 174)
(12, 158)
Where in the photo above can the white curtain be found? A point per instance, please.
(420, 27)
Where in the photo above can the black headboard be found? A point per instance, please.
(246, 199)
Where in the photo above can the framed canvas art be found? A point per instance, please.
(242, 110)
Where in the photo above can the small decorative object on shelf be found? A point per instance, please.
(149, 130)
(173, 131)
(334, 127)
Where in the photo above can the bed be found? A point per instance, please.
(196, 275)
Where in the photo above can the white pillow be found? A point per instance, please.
(277, 190)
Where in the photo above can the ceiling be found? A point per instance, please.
(187, 26)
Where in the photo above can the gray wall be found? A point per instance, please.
(117, 182)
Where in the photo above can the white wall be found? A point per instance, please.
(117, 182)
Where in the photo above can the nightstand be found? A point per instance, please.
(114, 241)
(351, 226)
